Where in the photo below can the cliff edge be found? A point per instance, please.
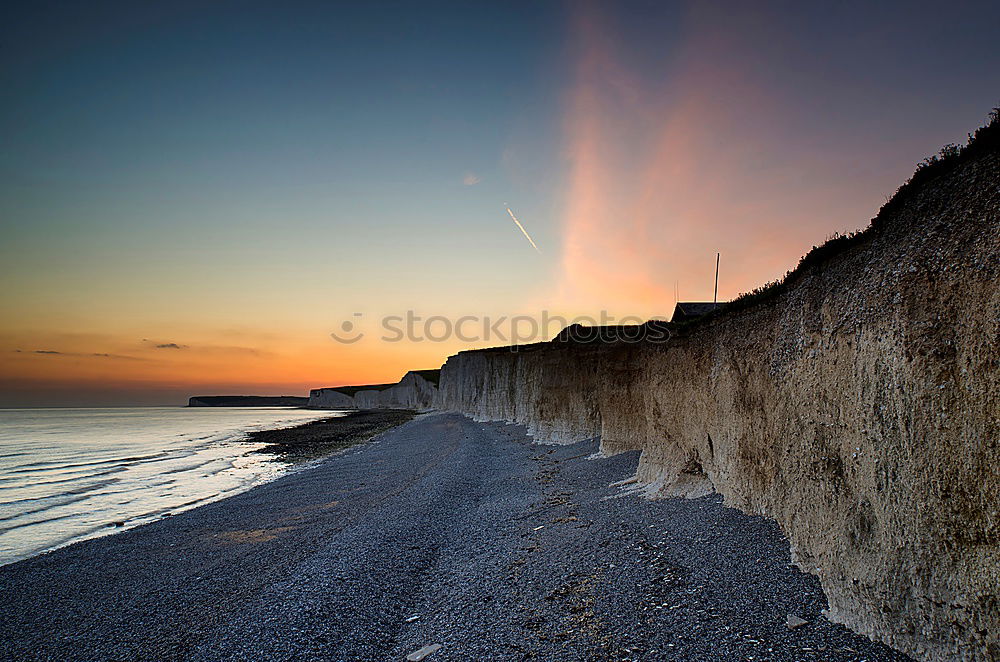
(416, 390)
(857, 403)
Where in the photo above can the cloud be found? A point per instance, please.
(105, 355)
(471, 179)
(206, 350)
(101, 355)
(164, 345)
(665, 170)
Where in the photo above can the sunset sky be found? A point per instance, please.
(193, 196)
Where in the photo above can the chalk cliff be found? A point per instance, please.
(416, 390)
(857, 404)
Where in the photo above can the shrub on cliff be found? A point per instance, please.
(985, 140)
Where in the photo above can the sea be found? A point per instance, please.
(71, 474)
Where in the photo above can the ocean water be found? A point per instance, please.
(71, 474)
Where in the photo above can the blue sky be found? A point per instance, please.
(200, 171)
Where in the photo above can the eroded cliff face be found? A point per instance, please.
(413, 391)
(330, 398)
(860, 408)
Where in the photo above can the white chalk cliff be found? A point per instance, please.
(416, 390)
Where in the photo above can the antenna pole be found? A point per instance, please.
(715, 298)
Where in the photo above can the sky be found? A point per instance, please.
(195, 196)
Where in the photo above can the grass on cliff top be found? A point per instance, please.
(350, 391)
(985, 140)
(433, 376)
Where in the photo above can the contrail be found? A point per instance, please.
(525, 232)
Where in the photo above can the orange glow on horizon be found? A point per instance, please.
(115, 363)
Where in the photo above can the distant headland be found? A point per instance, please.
(247, 401)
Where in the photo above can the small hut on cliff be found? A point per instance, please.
(686, 311)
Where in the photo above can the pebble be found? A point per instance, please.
(423, 653)
(793, 622)
(455, 545)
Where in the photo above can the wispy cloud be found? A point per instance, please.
(471, 179)
(664, 171)
(105, 355)
(203, 350)
(156, 344)
(100, 355)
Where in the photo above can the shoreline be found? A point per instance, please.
(292, 448)
(320, 438)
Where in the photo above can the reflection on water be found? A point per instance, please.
(71, 474)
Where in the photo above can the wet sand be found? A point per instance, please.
(323, 437)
